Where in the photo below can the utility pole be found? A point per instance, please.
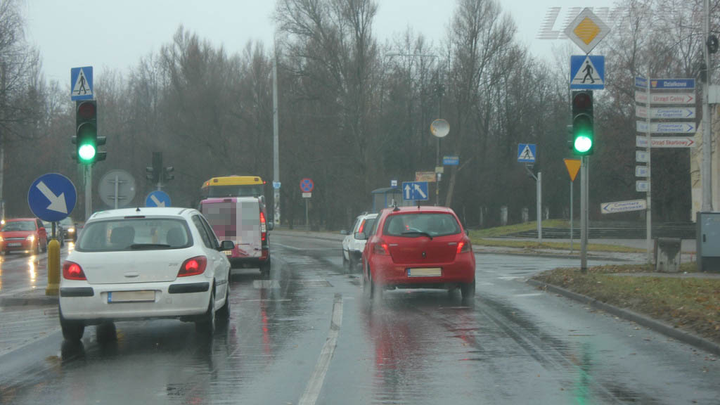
(2, 138)
(706, 170)
(584, 181)
(276, 145)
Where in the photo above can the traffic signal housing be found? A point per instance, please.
(86, 139)
(583, 132)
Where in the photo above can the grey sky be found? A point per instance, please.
(115, 34)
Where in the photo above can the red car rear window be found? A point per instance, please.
(416, 224)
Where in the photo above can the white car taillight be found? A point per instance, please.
(193, 266)
(73, 271)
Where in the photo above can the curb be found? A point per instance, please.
(28, 301)
(308, 235)
(643, 320)
(550, 255)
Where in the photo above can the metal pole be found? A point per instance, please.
(116, 191)
(539, 206)
(648, 139)
(571, 216)
(307, 217)
(583, 213)
(88, 191)
(706, 170)
(276, 145)
(437, 175)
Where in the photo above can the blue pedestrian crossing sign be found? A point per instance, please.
(587, 72)
(157, 198)
(527, 152)
(415, 191)
(81, 83)
(52, 197)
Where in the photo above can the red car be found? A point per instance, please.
(419, 247)
(23, 234)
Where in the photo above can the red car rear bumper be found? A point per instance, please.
(386, 272)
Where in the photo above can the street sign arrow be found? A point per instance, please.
(666, 127)
(52, 197)
(665, 98)
(665, 113)
(666, 142)
(419, 191)
(407, 191)
(57, 202)
(623, 206)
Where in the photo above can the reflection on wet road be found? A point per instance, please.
(308, 335)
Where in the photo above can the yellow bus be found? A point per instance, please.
(233, 186)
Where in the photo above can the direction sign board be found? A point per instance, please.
(665, 98)
(393, 183)
(451, 160)
(642, 186)
(306, 195)
(666, 127)
(641, 82)
(415, 191)
(666, 142)
(428, 177)
(307, 185)
(81, 83)
(527, 152)
(665, 112)
(641, 156)
(573, 166)
(52, 197)
(587, 30)
(623, 206)
(587, 72)
(642, 171)
(117, 186)
(666, 84)
(158, 198)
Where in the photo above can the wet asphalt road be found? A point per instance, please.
(309, 336)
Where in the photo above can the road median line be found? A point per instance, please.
(629, 315)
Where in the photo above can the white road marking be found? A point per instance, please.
(312, 391)
(529, 295)
(300, 249)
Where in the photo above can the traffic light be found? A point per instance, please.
(168, 174)
(583, 133)
(86, 138)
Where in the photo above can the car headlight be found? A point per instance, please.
(71, 230)
(30, 238)
(1, 239)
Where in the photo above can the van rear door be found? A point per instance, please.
(249, 232)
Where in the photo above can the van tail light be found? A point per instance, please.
(362, 226)
(263, 226)
(193, 266)
(381, 248)
(464, 247)
(73, 271)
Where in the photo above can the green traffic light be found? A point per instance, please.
(86, 152)
(583, 143)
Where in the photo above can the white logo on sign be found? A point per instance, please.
(587, 74)
(81, 87)
(527, 154)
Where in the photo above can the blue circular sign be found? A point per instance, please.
(158, 198)
(52, 197)
(306, 185)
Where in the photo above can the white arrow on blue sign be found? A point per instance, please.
(415, 191)
(52, 197)
(81, 83)
(158, 198)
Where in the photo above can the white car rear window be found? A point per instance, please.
(134, 234)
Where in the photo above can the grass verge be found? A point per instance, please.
(511, 229)
(531, 245)
(692, 304)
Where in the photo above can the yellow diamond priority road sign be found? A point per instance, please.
(587, 30)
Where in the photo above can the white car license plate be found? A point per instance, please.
(425, 272)
(131, 296)
(14, 244)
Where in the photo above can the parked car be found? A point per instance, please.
(59, 231)
(354, 242)
(23, 235)
(145, 263)
(419, 247)
(69, 230)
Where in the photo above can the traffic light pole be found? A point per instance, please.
(584, 188)
(276, 145)
(88, 191)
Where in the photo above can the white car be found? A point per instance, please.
(352, 246)
(142, 263)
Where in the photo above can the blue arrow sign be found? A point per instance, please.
(415, 191)
(158, 198)
(685, 84)
(81, 83)
(52, 197)
(587, 72)
(527, 153)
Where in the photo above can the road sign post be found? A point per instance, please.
(307, 186)
(584, 181)
(527, 153)
(573, 166)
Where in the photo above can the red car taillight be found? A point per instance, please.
(193, 266)
(73, 271)
(263, 226)
(381, 248)
(464, 247)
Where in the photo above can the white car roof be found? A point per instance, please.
(144, 211)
